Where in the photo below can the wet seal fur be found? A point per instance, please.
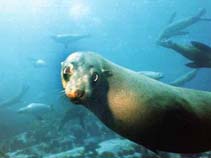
(146, 111)
(199, 53)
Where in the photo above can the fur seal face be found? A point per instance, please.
(81, 76)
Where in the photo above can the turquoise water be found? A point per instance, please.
(123, 31)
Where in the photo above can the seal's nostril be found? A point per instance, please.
(79, 93)
(75, 94)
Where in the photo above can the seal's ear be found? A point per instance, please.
(107, 73)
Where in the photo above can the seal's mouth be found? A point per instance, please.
(76, 97)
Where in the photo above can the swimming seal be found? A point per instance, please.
(16, 98)
(197, 52)
(180, 81)
(66, 39)
(154, 114)
(177, 28)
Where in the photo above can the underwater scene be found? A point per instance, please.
(105, 79)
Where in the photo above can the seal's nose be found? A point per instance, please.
(75, 94)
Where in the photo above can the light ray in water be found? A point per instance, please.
(79, 10)
(62, 96)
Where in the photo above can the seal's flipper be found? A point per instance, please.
(106, 73)
(172, 17)
(205, 19)
(201, 12)
(196, 64)
(201, 46)
(192, 65)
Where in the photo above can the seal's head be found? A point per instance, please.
(81, 75)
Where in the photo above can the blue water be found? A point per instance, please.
(123, 31)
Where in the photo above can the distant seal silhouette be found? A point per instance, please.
(66, 39)
(156, 115)
(197, 52)
(36, 109)
(40, 63)
(16, 98)
(184, 78)
(177, 28)
(152, 74)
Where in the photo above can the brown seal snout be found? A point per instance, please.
(75, 94)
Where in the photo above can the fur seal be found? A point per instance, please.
(40, 63)
(152, 74)
(157, 115)
(199, 53)
(172, 17)
(16, 98)
(36, 109)
(184, 78)
(66, 39)
(176, 28)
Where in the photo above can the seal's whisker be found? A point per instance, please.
(61, 99)
(62, 91)
(61, 96)
(58, 90)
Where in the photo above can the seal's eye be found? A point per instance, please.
(67, 71)
(95, 77)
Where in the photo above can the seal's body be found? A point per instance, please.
(152, 74)
(146, 111)
(177, 28)
(197, 52)
(184, 78)
(38, 110)
(66, 39)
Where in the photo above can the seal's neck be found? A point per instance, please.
(101, 109)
